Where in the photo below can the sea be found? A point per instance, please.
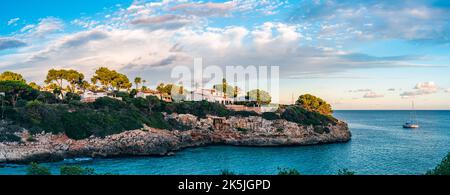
(379, 146)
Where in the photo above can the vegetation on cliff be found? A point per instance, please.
(59, 109)
(443, 168)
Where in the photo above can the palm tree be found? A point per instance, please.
(137, 81)
(143, 84)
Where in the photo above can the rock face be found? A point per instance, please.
(238, 131)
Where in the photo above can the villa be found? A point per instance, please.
(210, 95)
(149, 92)
(90, 96)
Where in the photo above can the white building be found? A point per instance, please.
(210, 95)
(90, 96)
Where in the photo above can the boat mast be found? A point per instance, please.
(414, 114)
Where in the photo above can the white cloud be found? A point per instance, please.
(424, 88)
(45, 27)
(9, 43)
(148, 35)
(205, 9)
(13, 21)
(360, 90)
(373, 95)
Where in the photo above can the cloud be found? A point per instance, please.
(44, 27)
(13, 21)
(424, 88)
(162, 22)
(9, 43)
(408, 20)
(371, 95)
(205, 9)
(84, 38)
(164, 34)
(360, 90)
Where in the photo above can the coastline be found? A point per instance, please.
(159, 142)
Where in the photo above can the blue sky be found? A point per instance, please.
(355, 54)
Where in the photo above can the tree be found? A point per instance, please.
(84, 85)
(74, 78)
(47, 97)
(314, 104)
(143, 85)
(137, 81)
(105, 77)
(15, 89)
(57, 76)
(34, 86)
(345, 172)
(36, 169)
(76, 170)
(260, 96)
(442, 168)
(121, 82)
(110, 79)
(165, 89)
(287, 171)
(11, 76)
(235, 92)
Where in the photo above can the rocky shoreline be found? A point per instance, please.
(236, 131)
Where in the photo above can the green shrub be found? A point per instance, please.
(71, 97)
(36, 169)
(243, 130)
(47, 97)
(7, 137)
(270, 116)
(156, 120)
(30, 138)
(345, 172)
(245, 113)
(109, 103)
(442, 168)
(76, 170)
(314, 104)
(226, 172)
(288, 171)
(302, 116)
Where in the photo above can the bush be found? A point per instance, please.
(226, 172)
(47, 97)
(243, 130)
(76, 170)
(271, 116)
(245, 113)
(6, 137)
(109, 103)
(314, 104)
(442, 168)
(345, 172)
(301, 116)
(71, 96)
(36, 169)
(156, 120)
(288, 171)
(199, 109)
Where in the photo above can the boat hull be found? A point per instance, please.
(410, 126)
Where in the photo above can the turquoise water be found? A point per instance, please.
(379, 146)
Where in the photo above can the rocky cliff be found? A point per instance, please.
(238, 131)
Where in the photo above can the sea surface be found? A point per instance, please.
(379, 146)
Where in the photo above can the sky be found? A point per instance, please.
(354, 54)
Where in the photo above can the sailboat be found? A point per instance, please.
(413, 123)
